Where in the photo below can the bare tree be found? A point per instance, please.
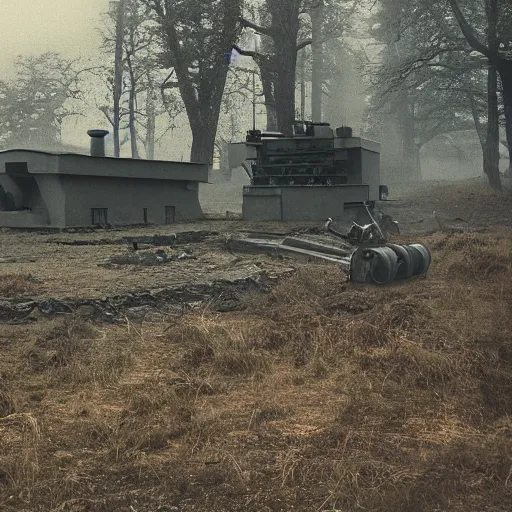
(46, 90)
(118, 73)
(500, 57)
(131, 37)
(432, 83)
(329, 20)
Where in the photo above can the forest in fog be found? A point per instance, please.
(429, 79)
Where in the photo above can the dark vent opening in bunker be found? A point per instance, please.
(99, 216)
(16, 168)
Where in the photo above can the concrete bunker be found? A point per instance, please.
(44, 189)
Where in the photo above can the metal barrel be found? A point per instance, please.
(422, 259)
(375, 265)
(405, 264)
(383, 265)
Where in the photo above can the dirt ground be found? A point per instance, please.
(312, 395)
(67, 271)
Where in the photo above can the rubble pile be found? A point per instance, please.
(221, 296)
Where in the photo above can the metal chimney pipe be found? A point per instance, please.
(97, 142)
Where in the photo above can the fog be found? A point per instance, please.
(38, 26)
(70, 27)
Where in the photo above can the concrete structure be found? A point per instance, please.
(71, 190)
(308, 178)
(296, 203)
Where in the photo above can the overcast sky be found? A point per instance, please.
(38, 26)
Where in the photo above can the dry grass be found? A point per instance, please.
(76, 352)
(16, 285)
(318, 396)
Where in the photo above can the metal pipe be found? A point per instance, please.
(373, 220)
(97, 142)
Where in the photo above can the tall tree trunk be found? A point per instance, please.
(222, 148)
(411, 171)
(506, 82)
(118, 75)
(488, 134)
(286, 61)
(268, 93)
(150, 125)
(267, 81)
(285, 30)
(203, 141)
(417, 163)
(317, 18)
(492, 140)
(133, 128)
(302, 79)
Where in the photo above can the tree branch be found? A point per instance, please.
(304, 43)
(469, 32)
(249, 24)
(247, 53)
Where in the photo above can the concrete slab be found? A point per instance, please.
(316, 247)
(254, 246)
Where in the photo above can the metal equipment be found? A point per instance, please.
(375, 261)
(303, 177)
(308, 158)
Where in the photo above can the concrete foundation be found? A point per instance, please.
(296, 203)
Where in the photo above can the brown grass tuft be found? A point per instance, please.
(19, 455)
(16, 285)
(477, 257)
(75, 351)
(7, 406)
(228, 350)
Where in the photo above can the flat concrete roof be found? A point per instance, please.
(355, 143)
(42, 162)
(339, 143)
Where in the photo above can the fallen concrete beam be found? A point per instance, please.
(309, 245)
(264, 234)
(253, 246)
(310, 256)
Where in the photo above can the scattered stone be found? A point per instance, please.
(35, 314)
(138, 313)
(186, 256)
(52, 307)
(85, 311)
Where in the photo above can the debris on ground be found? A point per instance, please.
(148, 258)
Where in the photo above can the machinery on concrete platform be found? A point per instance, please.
(375, 261)
(309, 175)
